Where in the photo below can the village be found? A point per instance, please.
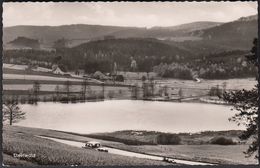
(119, 85)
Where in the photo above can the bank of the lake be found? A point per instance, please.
(22, 139)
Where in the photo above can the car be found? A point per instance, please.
(169, 160)
(92, 144)
(102, 149)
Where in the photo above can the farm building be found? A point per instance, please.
(57, 70)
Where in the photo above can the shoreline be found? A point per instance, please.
(144, 149)
(197, 100)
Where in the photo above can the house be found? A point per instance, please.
(57, 70)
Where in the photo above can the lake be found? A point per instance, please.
(114, 115)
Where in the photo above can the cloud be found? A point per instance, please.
(139, 14)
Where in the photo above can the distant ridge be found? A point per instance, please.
(237, 34)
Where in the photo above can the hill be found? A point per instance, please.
(147, 52)
(183, 32)
(188, 27)
(23, 43)
(104, 46)
(175, 33)
(49, 34)
(101, 54)
(237, 34)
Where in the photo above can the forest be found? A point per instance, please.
(150, 55)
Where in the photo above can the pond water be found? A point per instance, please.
(114, 115)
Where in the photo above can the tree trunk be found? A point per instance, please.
(11, 117)
(103, 90)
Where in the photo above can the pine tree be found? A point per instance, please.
(246, 103)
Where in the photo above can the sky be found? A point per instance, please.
(134, 14)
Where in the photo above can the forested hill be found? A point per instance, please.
(196, 36)
(149, 54)
(101, 55)
(237, 34)
(146, 52)
(49, 34)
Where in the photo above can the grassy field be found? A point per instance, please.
(218, 154)
(20, 81)
(196, 147)
(31, 72)
(149, 137)
(10, 160)
(20, 140)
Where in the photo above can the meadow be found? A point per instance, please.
(195, 147)
(47, 152)
(18, 139)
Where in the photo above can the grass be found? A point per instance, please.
(18, 139)
(10, 160)
(31, 72)
(131, 137)
(27, 82)
(196, 147)
(48, 94)
(218, 154)
(48, 152)
(138, 137)
(121, 140)
(118, 91)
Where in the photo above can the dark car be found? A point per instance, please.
(169, 160)
(102, 149)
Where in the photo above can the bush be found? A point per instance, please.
(222, 141)
(168, 139)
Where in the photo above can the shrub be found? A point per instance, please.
(222, 141)
(168, 139)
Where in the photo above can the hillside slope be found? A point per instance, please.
(237, 34)
(48, 34)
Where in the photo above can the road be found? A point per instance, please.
(126, 153)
